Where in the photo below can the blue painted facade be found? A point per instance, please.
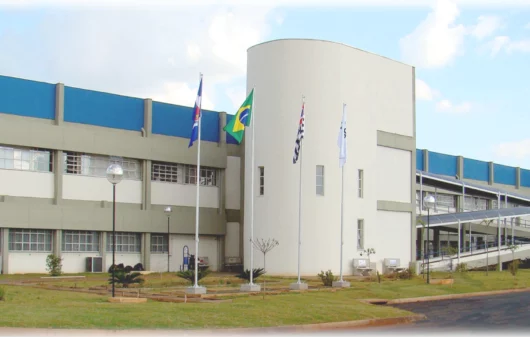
(37, 99)
(504, 174)
(27, 98)
(419, 160)
(103, 109)
(440, 163)
(476, 170)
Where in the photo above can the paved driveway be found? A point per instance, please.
(508, 312)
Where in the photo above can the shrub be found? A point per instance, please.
(513, 267)
(2, 294)
(406, 274)
(461, 267)
(190, 274)
(327, 278)
(117, 268)
(256, 272)
(125, 279)
(138, 267)
(54, 265)
(128, 269)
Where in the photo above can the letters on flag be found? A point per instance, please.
(299, 136)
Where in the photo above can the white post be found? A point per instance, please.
(459, 242)
(513, 240)
(421, 192)
(198, 177)
(300, 202)
(253, 116)
(341, 222)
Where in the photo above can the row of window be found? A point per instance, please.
(319, 181)
(447, 202)
(31, 240)
(96, 166)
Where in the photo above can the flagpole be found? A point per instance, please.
(342, 208)
(253, 116)
(300, 200)
(198, 175)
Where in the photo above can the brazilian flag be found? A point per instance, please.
(236, 127)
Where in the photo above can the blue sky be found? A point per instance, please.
(471, 57)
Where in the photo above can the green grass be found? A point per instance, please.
(30, 307)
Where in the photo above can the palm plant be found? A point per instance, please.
(126, 279)
(190, 274)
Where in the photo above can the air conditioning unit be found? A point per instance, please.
(94, 264)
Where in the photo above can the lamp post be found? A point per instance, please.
(167, 210)
(429, 202)
(114, 176)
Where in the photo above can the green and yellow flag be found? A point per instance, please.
(236, 127)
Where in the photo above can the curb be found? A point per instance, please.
(453, 296)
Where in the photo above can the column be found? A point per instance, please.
(426, 160)
(103, 251)
(57, 242)
(146, 164)
(222, 172)
(460, 167)
(58, 170)
(4, 235)
(491, 175)
(59, 104)
(436, 241)
(517, 177)
(146, 250)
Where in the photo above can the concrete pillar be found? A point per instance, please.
(426, 160)
(436, 241)
(4, 236)
(146, 250)
(419, 243)
(148, 117)
(103, 251)
(517, 177)
(491, 175)
(460, 167)
(58, 171)
(146, 184)
(59, 104)
(57, 242)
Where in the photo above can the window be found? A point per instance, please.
(360, 234)
(29, 240)
(361, 183)
(159, 243)
(320, 180)
(261, 180)
(96, 166)
(80, 241)
(183, 174)
(125, 242)
(26, 159)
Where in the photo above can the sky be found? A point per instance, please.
(471, 57)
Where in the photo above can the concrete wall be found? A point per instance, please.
(332, 75)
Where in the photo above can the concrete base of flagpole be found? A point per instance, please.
(298, 286)
(340, 284)
(250, 288)
(196, 290)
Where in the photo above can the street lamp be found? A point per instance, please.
(429, 202)
(114, 176)
(167, 210)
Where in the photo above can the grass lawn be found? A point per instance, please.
(30, 307)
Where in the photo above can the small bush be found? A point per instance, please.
(138, 267)
(406, 274)
(190, 274)
(125, 279)
(513, 267)
(327, 278)
(2, 294)
(128, 269)
(54, 265)
(117, 268)
(256, 272)
(461, 267)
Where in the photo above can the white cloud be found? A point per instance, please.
(515, 150)
(447, 106)
(485, 27)
(144, 52)
(508, 45)
(424, 92)
(437, 40)
(237, 96)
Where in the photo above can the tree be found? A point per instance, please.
(265, 246)
(190, 274)
(514, 265)
(126, 279)
(54, 265)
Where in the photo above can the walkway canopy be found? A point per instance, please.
(463, 217)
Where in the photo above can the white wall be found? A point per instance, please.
(232, 239)
(208, 246)
(183, 195)
(390, 237)
(76, 262)
(26, 184)
(78, 187)
(333, 74)
(24, 263)
(233, 183)
(128, 259)
(393, 174)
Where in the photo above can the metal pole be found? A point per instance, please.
(113, 235)
(198, 179)
(341, 221)
(459, 241)
(428, 238)
(421, 192)
(252, 196)
(168, 244)
(470, 239)
(299, 203)
(513, 239)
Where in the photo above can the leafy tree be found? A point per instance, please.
(54, 265)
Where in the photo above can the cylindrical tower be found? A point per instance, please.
(380, 103)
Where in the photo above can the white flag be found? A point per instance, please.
(341, 142)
